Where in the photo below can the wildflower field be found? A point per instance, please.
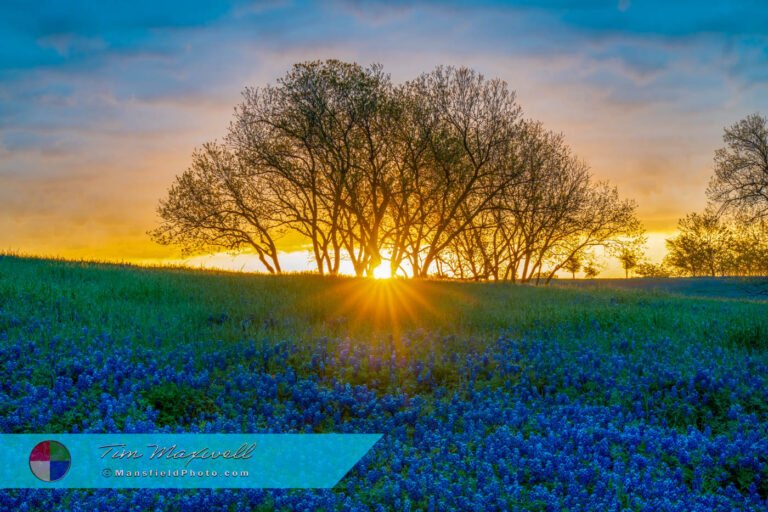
(489, 396)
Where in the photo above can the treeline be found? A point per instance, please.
(440, 175)
(708, 244)
(730, 238)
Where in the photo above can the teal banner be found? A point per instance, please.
(183, 461)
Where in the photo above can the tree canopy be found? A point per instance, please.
(440, 175)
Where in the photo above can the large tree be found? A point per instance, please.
(547, 217)
(439, 174)
(740, 183)
(556, 210)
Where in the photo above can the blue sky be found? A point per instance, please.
(101, 103)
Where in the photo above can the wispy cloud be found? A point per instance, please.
(101, 105)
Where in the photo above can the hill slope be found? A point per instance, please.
(490, 396)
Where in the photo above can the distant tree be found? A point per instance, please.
(574, 263)
(702, 246)
(220, 202)
(740, 183)
(647, 269)
(629, 251)
(591, 270)
(749, 247)
(629, 261)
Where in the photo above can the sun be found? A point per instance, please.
(383, 271)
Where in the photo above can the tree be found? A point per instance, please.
(749, 248)
(555, 210)
(647, 269)
(602, 220)
(458, 131)
(545, 207)
(220, 202)
(591, 270)
(702, 246)
(440, 174)
(574, 263)
(544, 220)
(629, 261)
(629, 251)
(740, 183)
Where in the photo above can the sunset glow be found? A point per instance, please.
(101, 109)
(383, 271)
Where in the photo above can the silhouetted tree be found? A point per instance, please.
(440, 174)
(574, 263)
(555, 210)
(749, 248)
(702, 246)
(740, 183)
(319, 137)
(730, 237)
(459, 134)
(646, 269)
(591, 270)
(629, 251)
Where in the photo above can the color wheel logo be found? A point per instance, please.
(49, 461)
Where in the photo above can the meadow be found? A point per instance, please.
(490, 396)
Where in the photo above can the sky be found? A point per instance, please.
(102, 103)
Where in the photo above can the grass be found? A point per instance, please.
(170, 306)
(163, 309)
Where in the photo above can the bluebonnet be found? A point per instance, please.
(512, 423)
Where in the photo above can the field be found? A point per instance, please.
(490, 396)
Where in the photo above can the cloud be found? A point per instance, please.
(101, 105)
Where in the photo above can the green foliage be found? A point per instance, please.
(752, 336)
(176, 403)
(186, 306)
